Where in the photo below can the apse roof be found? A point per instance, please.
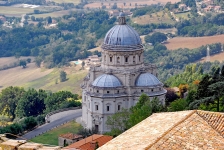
(107, 80)
(147, 79)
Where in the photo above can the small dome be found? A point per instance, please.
(107, 80)
(147, 79)
(123, 35)
(122, 14)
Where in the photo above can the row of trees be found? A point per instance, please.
(169, 61)
(17, 102)
(204, 90)
(202, 25)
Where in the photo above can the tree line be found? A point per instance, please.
(16, 102)
(201, 26)
(199, 90)
(27, 108)
(173, 62)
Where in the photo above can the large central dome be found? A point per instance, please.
(122, 34)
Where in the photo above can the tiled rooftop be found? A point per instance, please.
(90, 142)
(173, 131)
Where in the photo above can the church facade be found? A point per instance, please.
(120, 79)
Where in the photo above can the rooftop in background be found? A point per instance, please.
(89, 143)
(174, 130)
(70, 136)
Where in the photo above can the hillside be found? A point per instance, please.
(40, 78)
(193, 42)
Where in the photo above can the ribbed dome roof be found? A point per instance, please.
(107, 80)
(147, 79)
(123, 35)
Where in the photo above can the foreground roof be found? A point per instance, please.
(174, 130)
(89, 143)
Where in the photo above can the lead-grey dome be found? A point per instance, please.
(147, 79)
(122, 35)
(107, 80)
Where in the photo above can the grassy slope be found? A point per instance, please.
(67, 1)
(14, 11)
(48, 82)
(51, 137)
(155, 18)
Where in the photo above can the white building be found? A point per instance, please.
(120, 80)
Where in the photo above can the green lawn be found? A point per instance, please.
(51, 137)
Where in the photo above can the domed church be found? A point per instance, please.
(120, 80)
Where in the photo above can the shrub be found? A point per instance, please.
(29, 123)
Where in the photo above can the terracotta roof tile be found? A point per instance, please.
(90, 142)
(193, 133)
(173, 131)
(214, 119)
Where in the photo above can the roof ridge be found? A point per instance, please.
(214, 119)
(181, 121)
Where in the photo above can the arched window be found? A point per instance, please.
(126, 59)
(111, 58)
(119, 106)
(133, 59)
(139, 57)
(108, 107)
(118, 59)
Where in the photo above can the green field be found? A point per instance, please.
(183, 15)
(54, 14)
(67, 1)
(51, 137)
(159, 17)
(14, 11)
(48, 82)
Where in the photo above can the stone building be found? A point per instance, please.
(68, 139)
(120, 80)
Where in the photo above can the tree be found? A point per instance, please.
(29, 123)
(143, 109)
(38, 61)
(58, 100)
(31, 103)
(118, 122)
(171, 95)
(9, 98)
(114, 6)
(32, 18)
(83, 64)
(155, 37)
(216, 91)
(22, 63)
(178, 105)
(49, 20)
(28, 60)
(63, 76)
